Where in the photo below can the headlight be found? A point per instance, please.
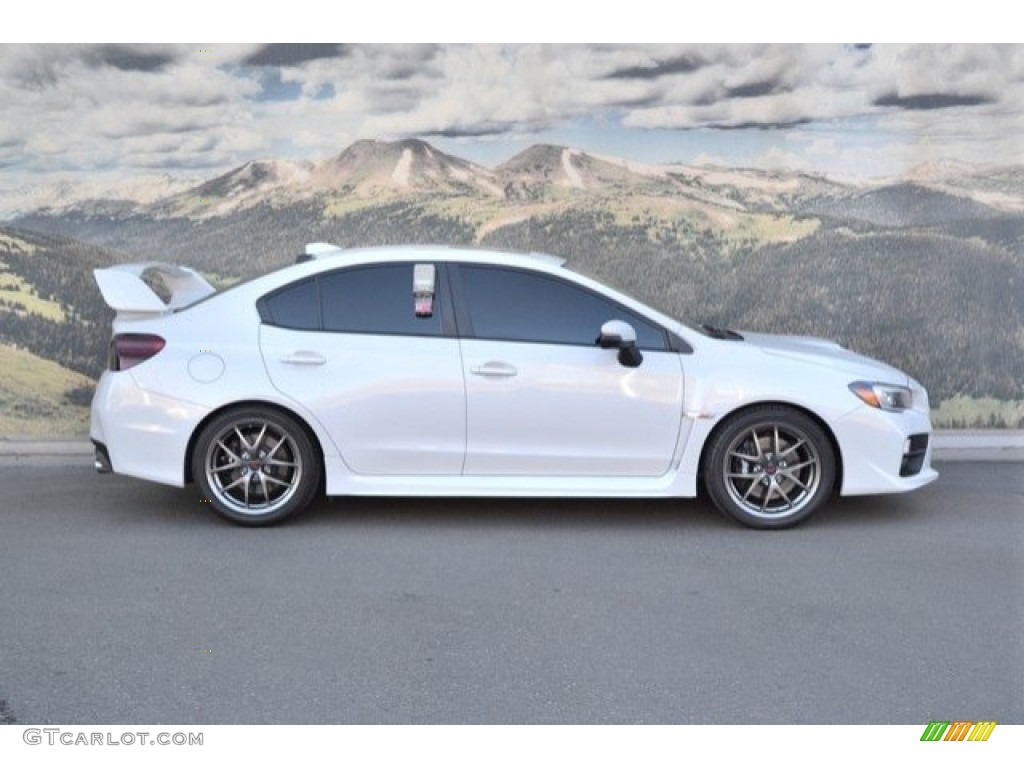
(888, 397)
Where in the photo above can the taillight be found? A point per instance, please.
(130, 349)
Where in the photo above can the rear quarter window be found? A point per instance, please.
(296, 306)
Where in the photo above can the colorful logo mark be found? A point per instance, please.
(959, 730)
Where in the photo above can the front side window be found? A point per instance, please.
(515, 305)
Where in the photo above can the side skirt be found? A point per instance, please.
(342, 482)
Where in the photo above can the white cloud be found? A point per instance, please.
(778, 158)
(92, 108)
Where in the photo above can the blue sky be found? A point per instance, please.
(89, 111)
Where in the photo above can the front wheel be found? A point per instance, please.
(770, 467)
(256, 466)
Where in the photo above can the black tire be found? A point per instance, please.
(256, 466)
(770, 467)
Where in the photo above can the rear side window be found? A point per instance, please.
(295, 306)
(376, 299)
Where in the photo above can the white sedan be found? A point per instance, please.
(431, 371)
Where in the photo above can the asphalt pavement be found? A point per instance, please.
(128, 602)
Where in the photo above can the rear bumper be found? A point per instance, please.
(139, 433)
(101, 459)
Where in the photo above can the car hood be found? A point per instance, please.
(817, 351)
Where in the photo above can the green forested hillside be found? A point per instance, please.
(38, 397)
(926, 281)
(949, 310)
(55, 273)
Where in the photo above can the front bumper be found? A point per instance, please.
(885, 452)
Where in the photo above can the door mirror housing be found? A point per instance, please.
(620, 335)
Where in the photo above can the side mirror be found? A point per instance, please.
(620, 335)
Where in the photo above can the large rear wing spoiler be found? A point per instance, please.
(126, 292)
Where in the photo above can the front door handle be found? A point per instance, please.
(304, 357)
(494, 370)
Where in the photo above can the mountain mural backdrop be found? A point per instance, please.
(925, 271)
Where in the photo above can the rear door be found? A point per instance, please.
(379, 367)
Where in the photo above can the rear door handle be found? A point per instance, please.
(494, 370)
(304, 357)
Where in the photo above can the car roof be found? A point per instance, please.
(326, 257)
(327, 251)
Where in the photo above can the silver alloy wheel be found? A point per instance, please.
(253, 466)
(772, 470)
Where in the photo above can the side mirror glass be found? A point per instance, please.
(620, 335)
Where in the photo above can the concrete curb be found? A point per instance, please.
(948, 445)
(978, 445)
(66, 452)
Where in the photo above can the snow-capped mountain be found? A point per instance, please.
(273, 182)
(65, 194)
(999, 187)
(372, 171)
(400, 167)
(546, 166)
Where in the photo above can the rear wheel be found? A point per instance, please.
(770, 467)
(256, 466)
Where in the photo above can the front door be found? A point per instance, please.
(542, 398)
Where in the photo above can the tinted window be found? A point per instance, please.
(375, 300)
(292, 307)
(522, 306)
